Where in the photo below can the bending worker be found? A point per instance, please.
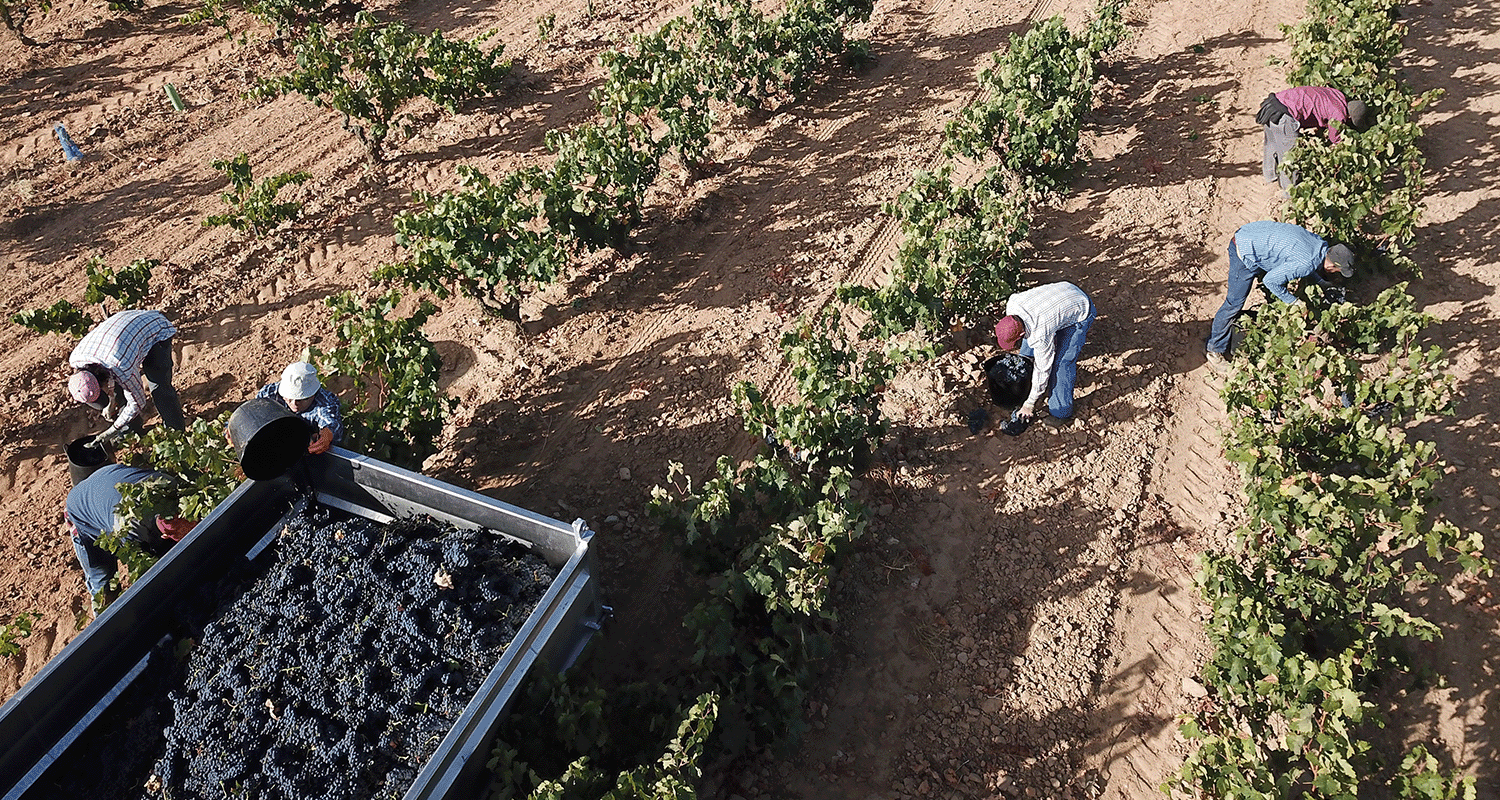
(1277, 253)
(1049, 323)
(1290, 111)
(110, 362)
(91, 513)
(304, 394)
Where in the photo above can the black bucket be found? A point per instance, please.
(83, 460)
(1008, 377)
(268, 438)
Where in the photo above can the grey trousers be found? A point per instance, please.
(1281, 136)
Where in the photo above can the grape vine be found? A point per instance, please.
(394, 409)
(370, 72)
(253, 206)
(496, 239)
(1309, 616)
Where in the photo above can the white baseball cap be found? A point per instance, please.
(299, 381)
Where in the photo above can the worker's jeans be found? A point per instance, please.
(156, 372)
(1067, 344)
(1241, 278)
(1281, 137)
(98, 564)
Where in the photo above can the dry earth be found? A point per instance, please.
(1022, 618)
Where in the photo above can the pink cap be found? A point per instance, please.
(1008, 332)
(84, 386)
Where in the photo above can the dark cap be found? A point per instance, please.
(1343, 260)
(1359, 115)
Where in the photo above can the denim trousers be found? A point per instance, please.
(1067, 344)
(98, 564)
(1241, 278)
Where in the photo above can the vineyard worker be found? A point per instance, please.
(111, 361)
(91, 513)
(1049, 323)
(1288, 112)
(1275, 252)
(300, 389)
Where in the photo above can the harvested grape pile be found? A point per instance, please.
(342, 666)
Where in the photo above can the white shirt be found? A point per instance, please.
(1044, 311)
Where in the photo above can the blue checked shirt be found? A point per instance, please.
(325, 412)
(1283, 251)
(119, 345)
(1044, 311)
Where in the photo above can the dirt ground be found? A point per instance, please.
(1022, 618)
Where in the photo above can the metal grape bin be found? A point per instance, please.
(40, 722)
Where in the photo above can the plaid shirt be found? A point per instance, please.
(118, 346)
(325, 412)
(1317, 107)
(1044, 311)
(1283, 251)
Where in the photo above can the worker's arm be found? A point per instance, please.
(135, 402)
(1043, 353)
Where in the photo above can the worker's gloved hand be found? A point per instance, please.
(321, 442)
(1024, 414)
(108, 437)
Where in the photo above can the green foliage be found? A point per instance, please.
(769, 533)
(960, 254)
(597, 184)
(836, 418)
(634, 741)
(129, 287)
(60, 317)
(1307, 616)
(14, 14)
(962, 244)
(199, 473)
(1038, 91)
(1367, 189)
(1342, 512)
(496, 239)
(484, 239)
(212, 12)
(137, 559)
(1421, 778)
(1107, 30)
(253, 206)
(368, 74)
(13, 632)
(396, 408)
(201, 465)
(1348, 45)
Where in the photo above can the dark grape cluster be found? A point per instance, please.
(338, 672)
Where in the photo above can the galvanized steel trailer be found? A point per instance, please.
(49, 713)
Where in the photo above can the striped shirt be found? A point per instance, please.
(1316, 107)
(1044, 311)
(325, 411)
(118, 346)
(1283, 251)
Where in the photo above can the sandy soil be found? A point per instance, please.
(1022, 617)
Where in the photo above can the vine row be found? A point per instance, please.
(1309, 617)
